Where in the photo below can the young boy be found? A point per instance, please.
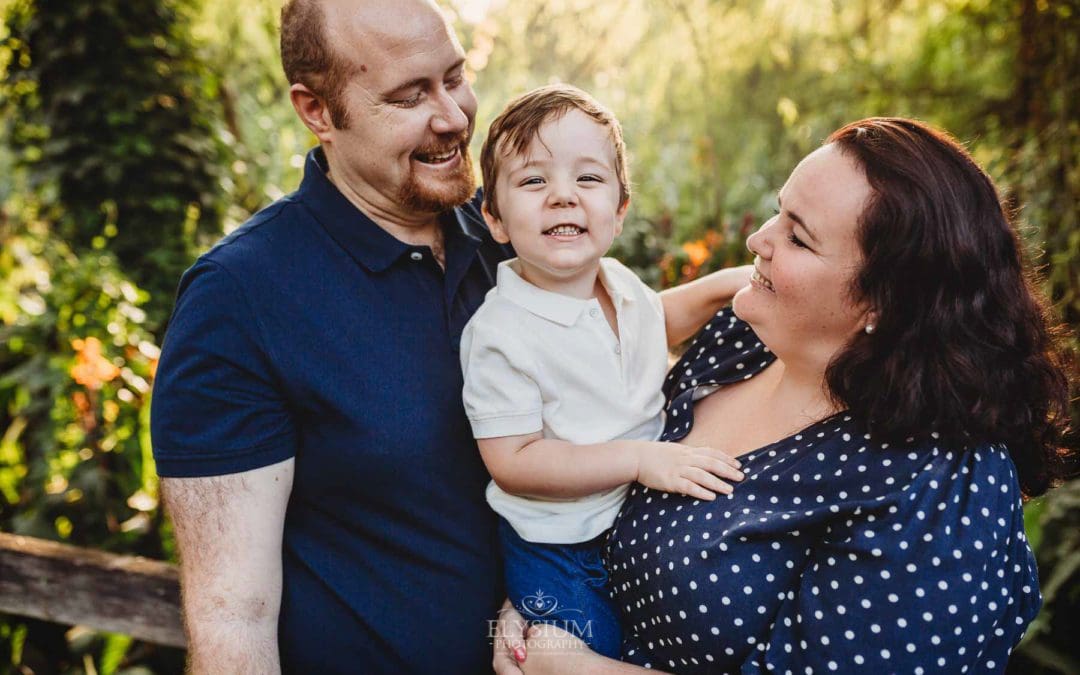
(565, 359)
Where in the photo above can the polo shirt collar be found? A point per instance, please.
(368, 244)
(561, 309)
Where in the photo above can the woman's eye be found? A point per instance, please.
(794, 239)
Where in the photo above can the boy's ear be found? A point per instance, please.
(498, 232)
(620, 216)
(312, 111)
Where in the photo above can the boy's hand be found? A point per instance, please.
(685, 469)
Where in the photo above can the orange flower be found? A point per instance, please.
(697, 251)
(91, 368)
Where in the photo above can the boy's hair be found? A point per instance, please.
(516, 126)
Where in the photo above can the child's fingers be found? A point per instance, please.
(718, 468)
(706, 480)
(692, 489)
(720, 455)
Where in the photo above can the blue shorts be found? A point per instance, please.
(564, 585)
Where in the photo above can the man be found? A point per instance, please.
(321, 475)
(326, 492)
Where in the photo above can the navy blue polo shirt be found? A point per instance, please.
(312, 333)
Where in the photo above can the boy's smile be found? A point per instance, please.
(559, 204)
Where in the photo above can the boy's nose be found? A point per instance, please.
(562, 194)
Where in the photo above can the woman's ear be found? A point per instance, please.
(498, 232)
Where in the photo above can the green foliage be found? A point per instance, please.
(126, 121)
(1049, 646)
(114, 119)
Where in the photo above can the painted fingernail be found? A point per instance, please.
(519, 654)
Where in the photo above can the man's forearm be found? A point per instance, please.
(232, 647)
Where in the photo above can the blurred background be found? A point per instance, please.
(134, 133)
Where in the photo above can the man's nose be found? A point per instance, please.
(449, 118)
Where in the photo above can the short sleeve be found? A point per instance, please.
(501, 395)
(216, 407)
(943, 584)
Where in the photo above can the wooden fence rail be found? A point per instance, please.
(70, 585)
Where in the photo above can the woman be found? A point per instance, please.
(892, 342)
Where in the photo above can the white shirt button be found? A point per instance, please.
(618, 349)
(594, 312)
(416, 255)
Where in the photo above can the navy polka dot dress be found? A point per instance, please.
(837, 553)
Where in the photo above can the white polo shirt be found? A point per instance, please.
(540, 361)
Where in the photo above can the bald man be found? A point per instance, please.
(326, 492)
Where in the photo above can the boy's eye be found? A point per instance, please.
(533, 180)
(591, 178)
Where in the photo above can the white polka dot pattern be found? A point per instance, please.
(837, 553)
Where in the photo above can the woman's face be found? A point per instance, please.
(799, 301)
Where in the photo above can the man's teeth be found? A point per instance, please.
(436, 159)
(762, 280)
(565, 230)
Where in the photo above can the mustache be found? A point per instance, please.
(445, 144)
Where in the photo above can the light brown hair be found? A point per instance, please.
(309, 59)
(516, 127)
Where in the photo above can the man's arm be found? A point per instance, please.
(229, 531)
(689, 306)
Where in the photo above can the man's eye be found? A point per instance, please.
(410, 102)
(455, 81)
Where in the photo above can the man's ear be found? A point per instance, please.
(498, 232)
(312, 111)
(620, 216)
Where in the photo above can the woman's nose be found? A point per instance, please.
(759, 243)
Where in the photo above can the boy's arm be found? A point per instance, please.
(533, 466)
(687, 307)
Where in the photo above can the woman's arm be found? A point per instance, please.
(687, 307)
(533, 466)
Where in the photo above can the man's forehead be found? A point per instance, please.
(386, 29)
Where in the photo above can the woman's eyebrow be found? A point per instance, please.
(798, 219)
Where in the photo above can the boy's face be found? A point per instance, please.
(559, 201)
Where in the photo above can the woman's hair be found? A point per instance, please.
(963, 343)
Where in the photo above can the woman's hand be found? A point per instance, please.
(674, 467)
(509, 641)
(553, 650)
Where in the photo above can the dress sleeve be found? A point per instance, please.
(501, 395)
(217, 407)
(939, 580)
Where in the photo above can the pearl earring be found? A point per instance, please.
(869, 329)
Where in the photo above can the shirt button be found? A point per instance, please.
(417, 256)
(594, 312)
(618, 349)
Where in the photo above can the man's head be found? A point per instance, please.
(381, 85)
(556, 185)
(519, 124)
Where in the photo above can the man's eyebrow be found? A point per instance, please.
(798, 219)
(421, 81)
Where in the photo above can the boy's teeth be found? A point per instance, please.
(565, 230)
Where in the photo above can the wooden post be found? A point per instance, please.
(70, 585)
